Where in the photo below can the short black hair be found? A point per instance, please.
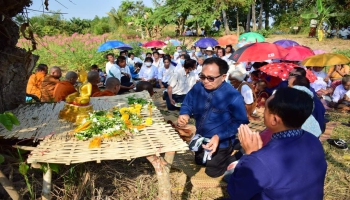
(129, 54)
(41, 67)
(149, 59)
(120, 53)
(120, 59)
(255, 73)
(259, 64)
(94, 66)
(148, 53)
(301, 81)
(292, 106)
(167, 58)
(190, 63)
(223, 66)
(109, 54)
(155, 52)
(138, 65)
(186, 56)
(223, 50)
(301, 70)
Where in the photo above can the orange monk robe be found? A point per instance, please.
(47, 88)
(62, 90)
(34, 84)
(94, 89)
(103, 93)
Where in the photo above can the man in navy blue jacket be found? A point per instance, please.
(291, 165)
(219, 110)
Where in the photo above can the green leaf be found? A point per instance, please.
(336, 15)
(2, 159)
(23, 168)
(12, 117)
(55, 167)
(319, 6)
(6, 122)
(308, 15)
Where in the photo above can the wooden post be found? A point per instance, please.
(7, 184)
(46, 193)
(162, 167)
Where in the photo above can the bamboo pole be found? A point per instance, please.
(7, 184)
(47, 177)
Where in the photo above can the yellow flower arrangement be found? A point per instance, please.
(148, 121)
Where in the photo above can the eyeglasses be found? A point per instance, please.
(292, 74)
(209, 78)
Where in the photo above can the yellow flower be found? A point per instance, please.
(138, 106)
(124, 111)
(125, 117)
(148, 121)
(133, 111)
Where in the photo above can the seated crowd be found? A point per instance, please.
(223, 96)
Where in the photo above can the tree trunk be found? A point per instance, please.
(16, 65)
(247, 26)
(224, 16)
(237, 21)
(253, 16)
(267, 16)
(260, 14)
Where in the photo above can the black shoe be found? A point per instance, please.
(339, 143)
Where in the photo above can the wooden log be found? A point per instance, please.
(7, 184)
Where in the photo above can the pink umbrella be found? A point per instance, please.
(154, 43)
(318, 51)
(298, 53)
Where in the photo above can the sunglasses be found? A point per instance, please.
(209, 78)
(292, 74)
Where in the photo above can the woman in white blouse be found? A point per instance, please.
(148, 72)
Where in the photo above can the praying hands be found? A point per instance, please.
(250, 141)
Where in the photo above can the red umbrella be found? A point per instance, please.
(154, 43)
(283, 69)
(258, 52)
(298, 53)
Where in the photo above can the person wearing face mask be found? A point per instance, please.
(180, 83)
(148, 72)
(177, 53)
(181, 62)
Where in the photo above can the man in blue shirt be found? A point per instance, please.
(291, 165)
(219, 110)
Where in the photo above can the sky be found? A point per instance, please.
(84, 9)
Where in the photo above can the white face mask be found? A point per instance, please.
(148, 64)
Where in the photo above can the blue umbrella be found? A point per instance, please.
(206, 42)
(174, 42)
(286, 43)
(124, 47)
(112, 44)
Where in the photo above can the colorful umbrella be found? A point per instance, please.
(251, 37)
(173, 42)
(326, 59)
(259, 52)
(283, 69)
(206, 42)
(298, 53)
(154, 43)
(286, 43)
(318, 51)
(124, 47)
(112, 44)
(227, 40)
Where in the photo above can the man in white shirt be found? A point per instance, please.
(236, 79)
(164, 73)
(180, 83)
(343, 33)
(341, 95)
(125, 78)
(112, 70)
(157, 61)
(181, 62)
(313, 26)
(322, 80)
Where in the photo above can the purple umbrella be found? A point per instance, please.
(124, 47)
(206, 42)
(286, 43)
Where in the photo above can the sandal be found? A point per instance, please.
(339, 143)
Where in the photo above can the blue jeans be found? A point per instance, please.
(177, 99)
